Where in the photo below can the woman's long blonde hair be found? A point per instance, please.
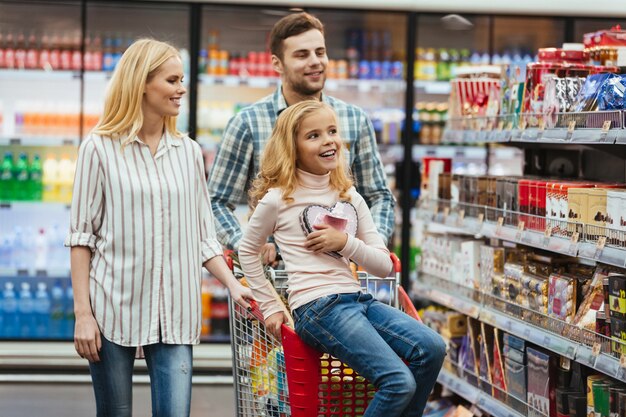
(122, 114)
(278, 162)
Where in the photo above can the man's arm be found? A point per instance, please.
(371, 180)
(228, 180)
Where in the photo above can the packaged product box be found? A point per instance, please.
(591, 380)
(445, 181)
(515, 343)
(436, 167)
(470, 252)
(618, 335)
(523, 198)
(617, 295)
(600, 392)
(482, 183)
(621, 404)
(515, 373)
(541, 383)
(484, 366)
(577, 405)
(455, 188)
(511, 205)
(562, 297)
(500, 192)
(614, 393)
(552, 206)
(596, 212)
(534, 295)
(538, 204)
(577, 201)
(498, 375)
(615, 218)
(491, 260)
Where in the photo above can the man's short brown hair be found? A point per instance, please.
(292, 25)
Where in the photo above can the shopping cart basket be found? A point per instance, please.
(279, 378)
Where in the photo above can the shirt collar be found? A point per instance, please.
(280, 103)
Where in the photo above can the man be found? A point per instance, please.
(299, 55)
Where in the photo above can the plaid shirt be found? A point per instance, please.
(237, 163)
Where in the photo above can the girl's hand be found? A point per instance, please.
(268, 254)
(87, 340)
(326, 239)
(240, 294)
(273, 323)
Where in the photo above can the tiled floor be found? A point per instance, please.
(76, 400)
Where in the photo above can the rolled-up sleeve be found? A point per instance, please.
(87, 198)
(209, 245)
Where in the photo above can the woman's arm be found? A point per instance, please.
(86, 332)
(218, 268)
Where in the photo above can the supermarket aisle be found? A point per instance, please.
(76, 400)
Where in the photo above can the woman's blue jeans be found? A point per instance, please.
(169, 367)
(373, 339)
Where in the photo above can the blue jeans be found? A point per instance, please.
(373, 338)
(169, 367)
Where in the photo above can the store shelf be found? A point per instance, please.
(62, 355)
(39, 75)
(475, 395)
(439, 290)
(454, 220)
(38, 141)
(433, 87)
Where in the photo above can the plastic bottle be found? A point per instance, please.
(9, 51)
(20, 176)
(50, 179)
(20, 51)
(25, 306)
(66, 179)
(206, 307)
(35, 174)
(32, 52)
(41, 310)
(57, 311)
(219, 311)
(6, 178)
(9, 312)
(41, 251)
(2, 63)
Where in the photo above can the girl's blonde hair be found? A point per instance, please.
(122, 114)
(278, 162)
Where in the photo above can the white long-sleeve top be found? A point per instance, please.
(148, 222)
(310, 275)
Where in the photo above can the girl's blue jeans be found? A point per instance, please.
(169, 367)
(373, 339)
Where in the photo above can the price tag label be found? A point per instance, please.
(622, 360)
(565, 363)
(547, 234)
(520, 230)
(542, 125)
(575, 237)
(601, 242)
(571, 126)
(481, 217)
(596, 348)
(522, 125)
(606, 126)
(499, 225)
(573, 244)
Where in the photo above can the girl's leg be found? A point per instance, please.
(339, 325)
(170, 379)
(113, 380)
(419, 345)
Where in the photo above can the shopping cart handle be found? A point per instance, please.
(397, 265)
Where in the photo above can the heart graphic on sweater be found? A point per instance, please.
(342, 216)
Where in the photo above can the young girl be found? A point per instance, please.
(303, 168)
(141, 229)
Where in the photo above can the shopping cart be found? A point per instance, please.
(279, 378)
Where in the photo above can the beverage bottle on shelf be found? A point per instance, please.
(118, 50)
(203, 59)
(66, 179)
(57, 310)
(443, 65)
(25, 310)
(66, 52)
(32, 52)
(41, 251)
(108, 55)
(44, 52)
(20, 176)
(455, 57)
(206, 307)
(76, 58)
(58, 255)
(2, 63)
(55, 51)
(419, 64)
(96, 53)
(20, 51)
(10, 328)
(219, 311)
(7, 185)
(41, 310)
(35, 174)
(9, 51)
(50, 179)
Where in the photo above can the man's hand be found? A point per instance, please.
(326, 239)
(273, 323)
(268, 254)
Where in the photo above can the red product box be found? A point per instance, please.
(523, 199)
(539, 200)
(612, 37)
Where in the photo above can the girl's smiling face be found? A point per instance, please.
(318, 143)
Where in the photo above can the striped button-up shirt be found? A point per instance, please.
(148, 222)
(237, 163)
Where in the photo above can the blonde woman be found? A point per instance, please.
(141, 230)
(304, 198)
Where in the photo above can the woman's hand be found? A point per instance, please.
(241, 294)
(274, 322)
(326, 239)
(87, 336)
